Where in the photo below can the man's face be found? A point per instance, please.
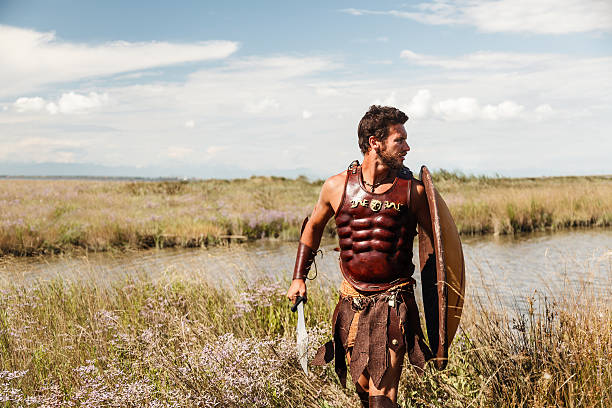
(394, 147)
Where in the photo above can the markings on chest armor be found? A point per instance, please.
(376, 205)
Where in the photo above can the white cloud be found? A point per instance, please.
(256, 84)
(435, 17)
(541, 16)
(138, 75)
(42, 141)
(281, 66)
(190, 124)
(356, 12)
(52, 108)
(457, 109)
(35, 104)
(213, 150)
(42, 149)
(544, 111)
(484, 60)
(32, 58)
(306, 114)
(262, 105)
(326, 91)
(390, 100)
(178, 152)
(470, 103)
(505, 110)
(420, 105)
(72, 102)
(465, 108)
(521, 16)
(68, 103)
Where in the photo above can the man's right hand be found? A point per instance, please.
(297, 288)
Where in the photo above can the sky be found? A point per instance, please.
(237, 88)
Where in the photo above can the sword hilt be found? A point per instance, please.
(297, 302)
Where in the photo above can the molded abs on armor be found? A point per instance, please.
(376, 232)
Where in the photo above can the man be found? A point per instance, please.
(377, 206)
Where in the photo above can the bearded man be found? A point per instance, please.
(377, 206)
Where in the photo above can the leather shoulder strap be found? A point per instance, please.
(353, 168)
(405, 173)
(408, 193)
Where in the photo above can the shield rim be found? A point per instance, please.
(438, 317)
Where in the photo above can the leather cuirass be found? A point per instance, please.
(376, 232)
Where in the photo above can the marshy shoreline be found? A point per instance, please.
(39, 217)
(179, 339)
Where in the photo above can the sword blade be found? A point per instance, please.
(302, 339)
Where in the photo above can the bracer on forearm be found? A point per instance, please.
(303, 261)
(304, 258)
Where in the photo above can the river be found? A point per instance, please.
(507, 268)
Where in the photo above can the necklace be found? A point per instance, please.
(376, 184)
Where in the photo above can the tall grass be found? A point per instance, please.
(177, 341)
(46, 216)
(41, 216)
(172, 342)
(482, 205)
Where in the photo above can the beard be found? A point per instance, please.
(394, 162)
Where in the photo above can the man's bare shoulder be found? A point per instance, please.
(335, 182)
(331, 192)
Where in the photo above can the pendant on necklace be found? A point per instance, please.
(373, 185)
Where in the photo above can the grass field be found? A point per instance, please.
(176, 341)
(50, 216)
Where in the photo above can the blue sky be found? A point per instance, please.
(225, 89)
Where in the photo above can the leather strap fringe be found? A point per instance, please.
(388, 320)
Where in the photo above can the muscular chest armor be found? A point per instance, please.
(376, 232)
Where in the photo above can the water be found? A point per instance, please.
(509, 268)
(539, 264)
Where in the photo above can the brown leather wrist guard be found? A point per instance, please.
(303, 261)
(381, 401)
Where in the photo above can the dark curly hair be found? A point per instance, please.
(376, 123)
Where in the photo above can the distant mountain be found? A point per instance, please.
(96, 170)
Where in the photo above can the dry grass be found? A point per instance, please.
(556, 354)
(508, 206)
(177, 341)
(40, 216)
(43, 216)
(143, 343)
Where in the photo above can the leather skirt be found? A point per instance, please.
(368, 326)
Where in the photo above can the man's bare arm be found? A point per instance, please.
(313, 231)
(321, 214)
